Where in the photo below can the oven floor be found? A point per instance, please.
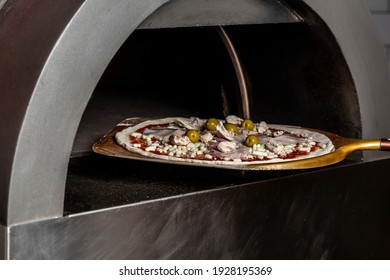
(96, 182)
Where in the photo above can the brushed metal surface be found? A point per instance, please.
(66, 61)
(189, 13)
(3, 242)
(25, 39)
(359, 40)
(297, 217)
(36, 152)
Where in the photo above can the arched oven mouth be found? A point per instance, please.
(278, 73)
(267, 72)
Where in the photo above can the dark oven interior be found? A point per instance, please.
(295, 73)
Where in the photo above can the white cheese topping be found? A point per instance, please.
(165, 139)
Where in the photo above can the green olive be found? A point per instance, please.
(231, 127)
(193, 135)
(251, 140)
(248, 124)
(211, 124)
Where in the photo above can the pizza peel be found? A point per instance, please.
(343, 147)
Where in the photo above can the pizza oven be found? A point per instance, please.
(71, 70)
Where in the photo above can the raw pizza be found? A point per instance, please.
(232, 141)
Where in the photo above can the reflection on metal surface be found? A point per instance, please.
(245, 221)
(239, 71)
(34, 189)
(189, 13)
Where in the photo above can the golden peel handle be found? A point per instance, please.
(355, 144)
(385, 144)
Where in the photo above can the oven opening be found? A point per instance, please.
(294, 74)
(60, 201)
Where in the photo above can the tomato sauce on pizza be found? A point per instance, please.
(232, 141)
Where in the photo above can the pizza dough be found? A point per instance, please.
(166, 139)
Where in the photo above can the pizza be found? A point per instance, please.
(231, 141)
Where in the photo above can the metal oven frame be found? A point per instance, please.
(52, 55)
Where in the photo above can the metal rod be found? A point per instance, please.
(239, 71)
